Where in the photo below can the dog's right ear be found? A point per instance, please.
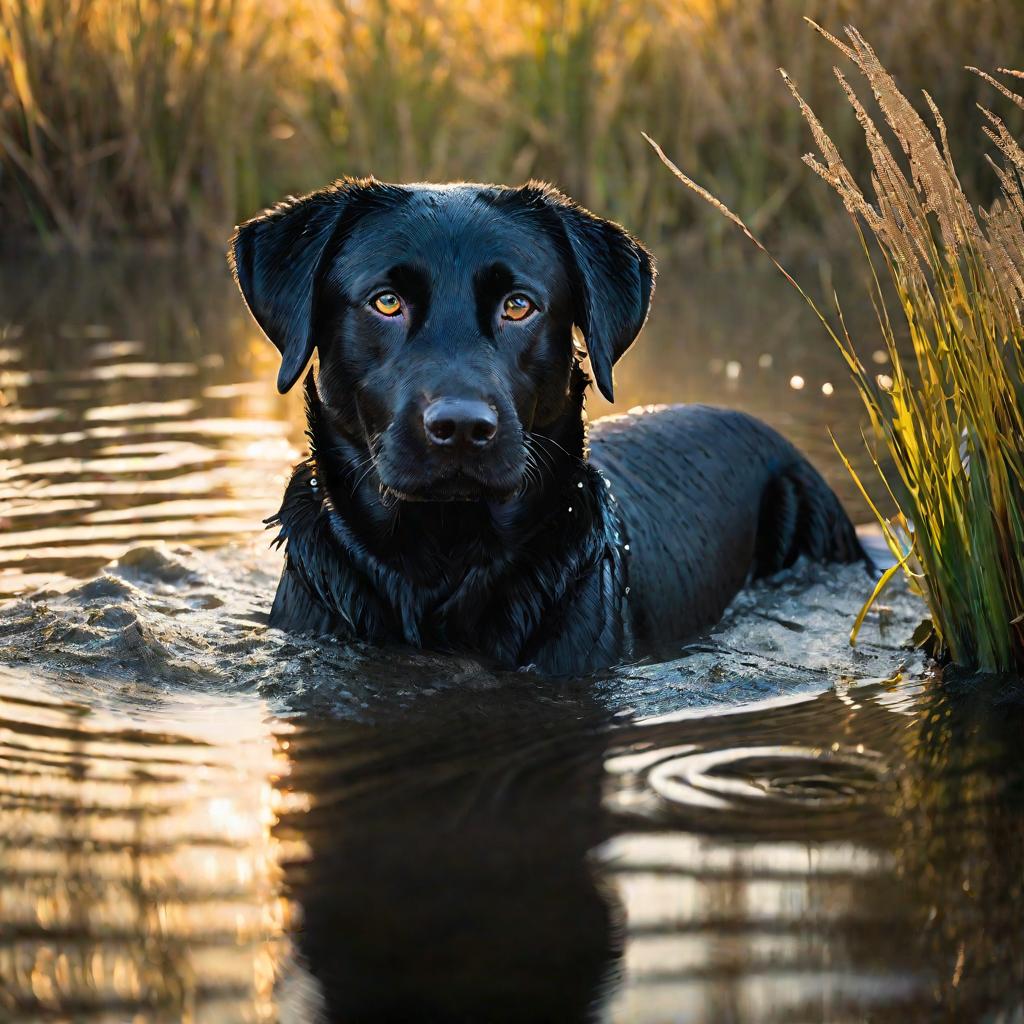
(277, 257)
(613, 276)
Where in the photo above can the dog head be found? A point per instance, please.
(443, 319)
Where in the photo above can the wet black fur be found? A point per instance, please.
(540, 551)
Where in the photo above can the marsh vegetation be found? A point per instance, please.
(176, 118)
(947, 420)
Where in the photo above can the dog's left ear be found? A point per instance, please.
(614, 282)
(276, 258)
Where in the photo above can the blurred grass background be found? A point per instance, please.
(172, 119)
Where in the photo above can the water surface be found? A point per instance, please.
(511, 854)
(203, 819)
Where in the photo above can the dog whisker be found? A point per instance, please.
(551, 440)
(370, 466)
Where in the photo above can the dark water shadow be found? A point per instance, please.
(515, 854)
(449, 873)
(527, 857)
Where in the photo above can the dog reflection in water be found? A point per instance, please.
(449, 876)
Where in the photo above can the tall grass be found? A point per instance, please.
(950, 415)
(136, 116)
(170, 118)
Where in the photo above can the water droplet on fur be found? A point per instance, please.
(580, 485)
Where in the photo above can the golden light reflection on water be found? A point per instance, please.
(139, 867)
(165, 450)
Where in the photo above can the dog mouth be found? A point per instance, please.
(453, 483)
(456, 487)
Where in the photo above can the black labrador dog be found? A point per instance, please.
(454, 497)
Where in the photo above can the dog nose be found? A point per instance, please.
(460, 421)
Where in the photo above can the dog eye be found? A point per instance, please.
(517, 307)
(387, 303)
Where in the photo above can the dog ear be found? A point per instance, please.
(276, 258)
(614, 282)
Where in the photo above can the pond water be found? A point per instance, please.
(202, 819)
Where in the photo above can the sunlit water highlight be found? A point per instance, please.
(203, 819)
